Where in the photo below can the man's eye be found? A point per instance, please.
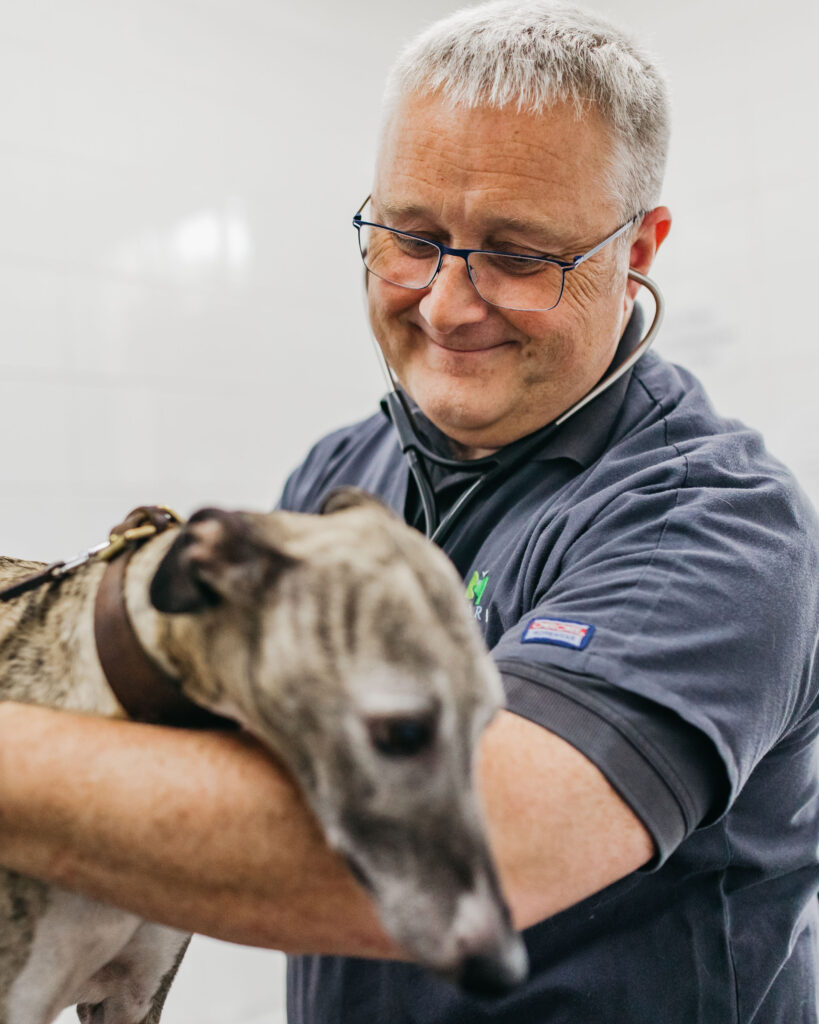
(415, 247)
(401, 737)
(518, 266)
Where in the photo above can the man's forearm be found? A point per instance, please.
(201, 831)
(204, 831)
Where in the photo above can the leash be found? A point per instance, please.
(139, 525)
(145, 691)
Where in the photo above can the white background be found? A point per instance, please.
(170, 169)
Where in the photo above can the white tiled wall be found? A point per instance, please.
(179, 289)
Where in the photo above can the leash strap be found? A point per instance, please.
(139, 525)
(51, 572)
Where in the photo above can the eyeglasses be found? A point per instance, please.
(524, 283)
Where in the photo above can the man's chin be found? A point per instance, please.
(471, 426)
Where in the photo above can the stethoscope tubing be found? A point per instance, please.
(414, 449)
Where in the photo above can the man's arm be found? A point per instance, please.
(205, 832)
(558, 830)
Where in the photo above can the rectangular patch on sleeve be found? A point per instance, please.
(558, 631)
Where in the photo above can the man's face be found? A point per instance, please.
(496, 179)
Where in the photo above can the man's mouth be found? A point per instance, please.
(467, 350)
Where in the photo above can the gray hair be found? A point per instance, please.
(533, 54)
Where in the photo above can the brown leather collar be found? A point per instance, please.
(147, 693)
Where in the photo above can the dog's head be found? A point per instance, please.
(344, 642)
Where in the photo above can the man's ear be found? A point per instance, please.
(651, 234)
(350, 497)
(215, 558)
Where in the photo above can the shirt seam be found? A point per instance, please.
(683, 483)
(726, 917)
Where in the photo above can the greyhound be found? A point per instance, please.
(341, 641)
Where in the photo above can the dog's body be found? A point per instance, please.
(342, 642)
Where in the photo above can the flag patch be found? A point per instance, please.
(558, 631)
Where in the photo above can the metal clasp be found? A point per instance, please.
(120, 539)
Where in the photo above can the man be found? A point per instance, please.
(645, 579)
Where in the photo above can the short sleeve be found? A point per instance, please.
(675, 646)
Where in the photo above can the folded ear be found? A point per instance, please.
(215, 558)
(350, 497)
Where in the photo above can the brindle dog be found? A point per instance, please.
(343, 642)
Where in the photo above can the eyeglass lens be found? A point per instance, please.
(513, 282)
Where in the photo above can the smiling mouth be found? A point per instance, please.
(473, 351)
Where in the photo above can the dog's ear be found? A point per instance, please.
(215, 558)
(350, 497)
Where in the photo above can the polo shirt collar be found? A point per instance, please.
(583, 437)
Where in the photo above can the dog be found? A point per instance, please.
(343, 642)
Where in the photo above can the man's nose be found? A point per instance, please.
(451, 300)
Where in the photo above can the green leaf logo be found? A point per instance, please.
(476, 587)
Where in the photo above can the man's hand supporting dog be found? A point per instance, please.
(203, 831)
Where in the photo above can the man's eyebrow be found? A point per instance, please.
(397, 209)
(550, 237)
(545, 236)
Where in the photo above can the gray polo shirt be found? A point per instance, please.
(648, 586)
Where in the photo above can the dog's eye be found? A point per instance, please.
(401, 737)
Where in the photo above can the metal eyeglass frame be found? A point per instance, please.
(464, 254)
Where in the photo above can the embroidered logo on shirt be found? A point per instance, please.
(475, 589)
(559, 632)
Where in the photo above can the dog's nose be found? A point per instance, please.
(495, 973)
(493, 955)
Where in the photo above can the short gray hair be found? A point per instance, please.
(535, 53)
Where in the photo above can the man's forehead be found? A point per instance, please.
(501, 170)
(430, 120)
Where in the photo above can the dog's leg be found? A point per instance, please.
(72, 939)
(131, 989)
(164, 986)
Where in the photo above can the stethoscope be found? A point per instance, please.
(491, 467)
